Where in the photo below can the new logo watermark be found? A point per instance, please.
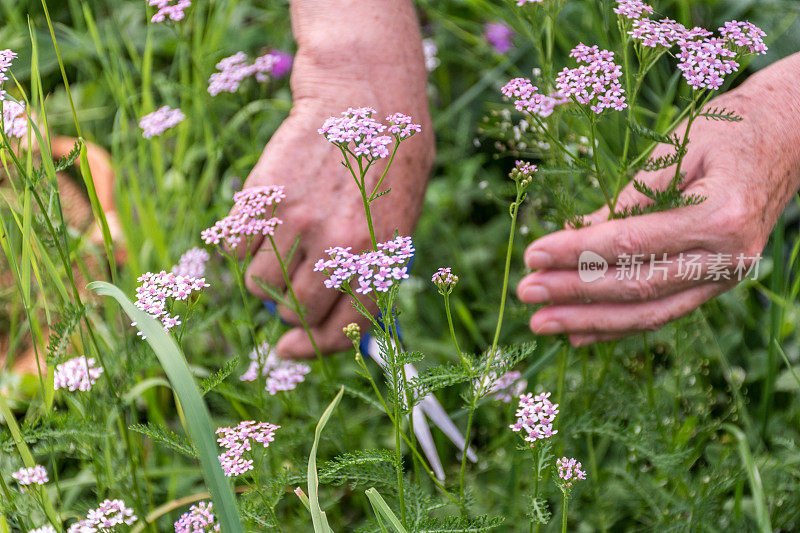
(695, 267)
(591, 266)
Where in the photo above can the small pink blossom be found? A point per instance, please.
(569, 470)
(282, 375)
(237, 443)
(78, 373)
(705, 63)
(199, 519)
(359, 132)
(159, 121)
(595, 82)
(108, 515)
(233, 70)
(44, 529)
(157, 292)
(248, 216)
(535, 417)
(527, 99)
(499, 36)
(192, 263)
(745, 35)
(665, 32)
(282, 64)
(507, 386)
(14, 122)
(633, 9)
(172, 9)
(377, 270)
(7, 57)
(35, 475)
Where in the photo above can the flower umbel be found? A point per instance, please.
(7, 57)
(79, 373)
(172, 9)
(192, 263)
(523, 172)
(535, 417)
(527, 99)
(633, 9)
(282, 375)
(358, 132)
(160, 121)
(106, 517)
(569, 470)
(233, 70)
(705, 63)
(745, 35)
(35, 475)
(237, 442)
(14, 122)
(444, 280)
(248, 216)
(157, 292)
(199, 519)
(595, 82)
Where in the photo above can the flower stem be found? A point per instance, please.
(467, 365)
(564, 500)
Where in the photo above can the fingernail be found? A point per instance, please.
(535, 294)
(549, 328)
(538, 260)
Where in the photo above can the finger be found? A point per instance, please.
(315, 299)
(621, 318)
(328, 336)
(265, 268)
(585, 340)
(647, 278)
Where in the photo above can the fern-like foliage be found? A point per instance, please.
(60, 334)
(720, 113)
(653, 135)
(459, 524)
(661, 200)
(167, 438)
(664, 161)
(437, 377)
(362, 468)
(69, 159)
(215, 380)
(539, 512)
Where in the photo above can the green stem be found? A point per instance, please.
(564, 500)
(467, 365)
(467, 435)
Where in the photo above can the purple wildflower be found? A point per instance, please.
(236, 441)
(499, 36)
(595, 82)
(444, 280)
(79, 373)
(282, 64)
(507, 386)
(199, 519)
(705, 63)
(172, 9)
(233, 70)
(156, 293)
(14, 122)
(745, 35)
(376, 269)
(357, 131)
(527, 99)
(7, 57)
(160, 121)
(282, 375)
(35, 475)
(569, 470)
(192, 263)
(523, 172)
(106, 517)
(632, 9)
(535, 417)
(248, 216)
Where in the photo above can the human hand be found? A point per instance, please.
(746, 171)
(344, 60)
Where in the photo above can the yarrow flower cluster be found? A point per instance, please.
(282, 375)
(14, 122)
(535, 417)
(595, 82)
(199, 519)
(357, 131)
(523, 172)
(377, 270)
(192, 263)
(236, 441)
(664, 32)
(159, 121)
(233, 70)
(569, 470)
(35, 475)
(499, 36)
(172, 9)
(632, 9)
(157, 291)
(79, 373)
(745, 35)
(527, 99)
(248, 216)
(507, 386)
(44, 529)
(444, 280)
(7, 57)
(106, 517)
(705, 63)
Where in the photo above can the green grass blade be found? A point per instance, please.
(317, 516)
(198, 420)
(381, 508)
(756, 487)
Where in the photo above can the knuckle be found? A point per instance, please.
(627, 241)
(637, 290)
(654, 321)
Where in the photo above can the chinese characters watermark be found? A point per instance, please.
(686, 266)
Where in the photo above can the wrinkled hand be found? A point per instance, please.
(747, 172)
(322, 206)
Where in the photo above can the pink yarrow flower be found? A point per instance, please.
(595, 82)
(527, 99)
(157, 292)
(705, 63)
(44, 529)
(499, 36)
(233, 70)
(35, 475)
(444, 279)
(745, 35)
(14, 122)
(237, 443)
(108, 515)
(7, 57)
(172, 9)
(159, 121)
(357, 131)
(665, 32)
(199, 519)
(248, 217)
(633, 9)
(282, 375)
(79, 373)
(535, 417)
(507, 386)
(376, 270)
(192, 263)
(569, 470)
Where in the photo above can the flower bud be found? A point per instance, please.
(444, 280)
(352, 331)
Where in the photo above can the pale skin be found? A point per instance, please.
(353, 53)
